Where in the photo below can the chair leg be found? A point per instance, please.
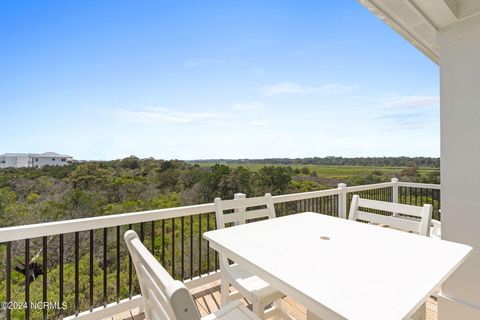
(280, 311)
(258, 309)
(225, 292)
(277, 305)
(421, 313)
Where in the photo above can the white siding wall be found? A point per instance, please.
(49, 161)
(25, 161)
(10, 162)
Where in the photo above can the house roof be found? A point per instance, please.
(419, 20)
(49, 155)
(38, 155)
(16, 155)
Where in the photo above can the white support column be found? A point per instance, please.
(342, 201)
(460, 170)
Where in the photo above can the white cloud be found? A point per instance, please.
(407, 112)
(411, 102)
(295, 88)
(156, 115)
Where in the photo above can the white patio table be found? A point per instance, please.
(342, 269)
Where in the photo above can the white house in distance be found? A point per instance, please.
(34, 160)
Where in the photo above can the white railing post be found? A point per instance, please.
(342, 201)
(394, 192)
(237, 210)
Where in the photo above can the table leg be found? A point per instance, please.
(420, 314)
(312, 316)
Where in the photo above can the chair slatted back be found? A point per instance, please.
(164, 297)
(240, 214)
(405, 217)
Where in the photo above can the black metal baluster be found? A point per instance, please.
(199, 245)
(118, 264)
(173, 247)
(163, 243)
(27, 279)
(60, 285)
(45, 275)
(217, 262)
(208, 244)
(105, 249)
(332, 205)
(77, 303)
(91, 268)
(329, 205)
(130, 272)
(183, 247)
(433, 204)
(191, 247)
(153, 238)
(437, 199)
(142, 232)
(8, 279)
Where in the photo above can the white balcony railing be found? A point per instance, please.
(85, 265)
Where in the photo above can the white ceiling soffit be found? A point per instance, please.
(406, 18)
(419, 20)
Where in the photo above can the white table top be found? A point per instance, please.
(362, 272)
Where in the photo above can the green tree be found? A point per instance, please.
(275, 180)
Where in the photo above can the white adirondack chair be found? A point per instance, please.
(169, 299)
(405, 217)
(258, 292)
(436, 229)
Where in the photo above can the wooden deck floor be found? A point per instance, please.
(207, 299)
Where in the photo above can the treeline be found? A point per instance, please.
(100, 188)
(89, 189)
(338, 161)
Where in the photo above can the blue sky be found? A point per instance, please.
(211, 79)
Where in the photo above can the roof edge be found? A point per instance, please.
(424, 46)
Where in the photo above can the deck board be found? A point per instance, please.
(208, 299)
